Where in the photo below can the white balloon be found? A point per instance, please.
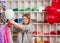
(9, 14)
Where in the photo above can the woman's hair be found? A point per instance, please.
(28, 16)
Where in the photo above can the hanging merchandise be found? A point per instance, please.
(0, 14)
(11, 37)
(1, 35)
(9, 15)
(5, 35)
(2, 5)
(1, 18)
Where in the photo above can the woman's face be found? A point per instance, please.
(25, 20)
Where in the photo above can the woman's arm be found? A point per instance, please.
(20, 26)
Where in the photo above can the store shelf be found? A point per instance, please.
(24, 11)
(28, 11)
(36, 16)
(34, 35)
(49, 35)
(43, 35)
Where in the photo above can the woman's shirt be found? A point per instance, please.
(25, 34)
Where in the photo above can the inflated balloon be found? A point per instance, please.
(9, 15)
(53, 10)
(47, 9)
(59, 4)
(58, 11)
(55, 3)
(58, 19)
(50, 10)
(51, 18)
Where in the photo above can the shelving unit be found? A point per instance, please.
(46, 30)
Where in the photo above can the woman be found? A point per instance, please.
(26, 29)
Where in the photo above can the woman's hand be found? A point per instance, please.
(12, 21)
(16, 24)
